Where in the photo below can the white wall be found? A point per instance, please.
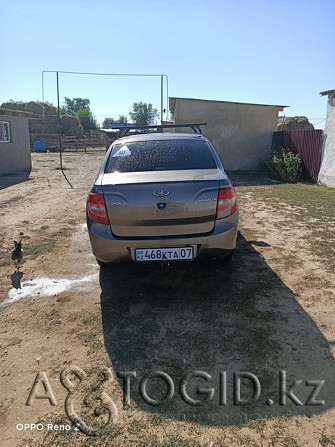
(327, 169)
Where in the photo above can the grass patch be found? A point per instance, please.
(157, 419)
(92, 341)
(61, 232)
(5, 258)
(92, 335)
(324, 246)
(284, 441)
(326, 440)
(25, 237)
(36, 250)
(317, 202)
(178, 441)
(313, 206)
(88, 337)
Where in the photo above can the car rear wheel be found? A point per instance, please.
(104, 264)
(222, 256)
(226, 259)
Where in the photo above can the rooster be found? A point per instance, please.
(17, 254)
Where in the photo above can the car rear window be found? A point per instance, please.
(160, 155)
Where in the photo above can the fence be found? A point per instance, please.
(308, 143)
(68, 143)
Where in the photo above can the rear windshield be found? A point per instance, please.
(160, 155)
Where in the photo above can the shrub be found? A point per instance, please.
(285, 165)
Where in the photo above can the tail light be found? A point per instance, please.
(96, 208)
(226, 202)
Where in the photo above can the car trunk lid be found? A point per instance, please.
(161, 203)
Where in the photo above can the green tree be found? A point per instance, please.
(86, 119)
(107, 121)
(71, 106)
(122, 119)
(143, 114)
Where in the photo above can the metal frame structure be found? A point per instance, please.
(161, 76)
(98, 74)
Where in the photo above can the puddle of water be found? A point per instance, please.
(44, 287)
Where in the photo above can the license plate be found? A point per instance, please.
(164, 254)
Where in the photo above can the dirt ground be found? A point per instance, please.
(270, 312)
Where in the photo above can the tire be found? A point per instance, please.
(227, 259)
(224, 257)
(103, 264)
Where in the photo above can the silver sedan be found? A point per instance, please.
(162, 197)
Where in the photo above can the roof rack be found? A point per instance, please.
(124, 130)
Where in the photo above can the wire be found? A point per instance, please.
(319, 122)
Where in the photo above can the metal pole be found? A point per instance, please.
(161, 99)
(43, 87)
(59, 127)
(167, 99)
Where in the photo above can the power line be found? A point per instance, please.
(319, 122)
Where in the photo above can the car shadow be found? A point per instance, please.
(237, 323)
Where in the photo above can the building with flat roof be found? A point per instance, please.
(15, 157)
(241, 133)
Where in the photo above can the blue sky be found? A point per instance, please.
(266, 52)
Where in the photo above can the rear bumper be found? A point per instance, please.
(108, 248)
